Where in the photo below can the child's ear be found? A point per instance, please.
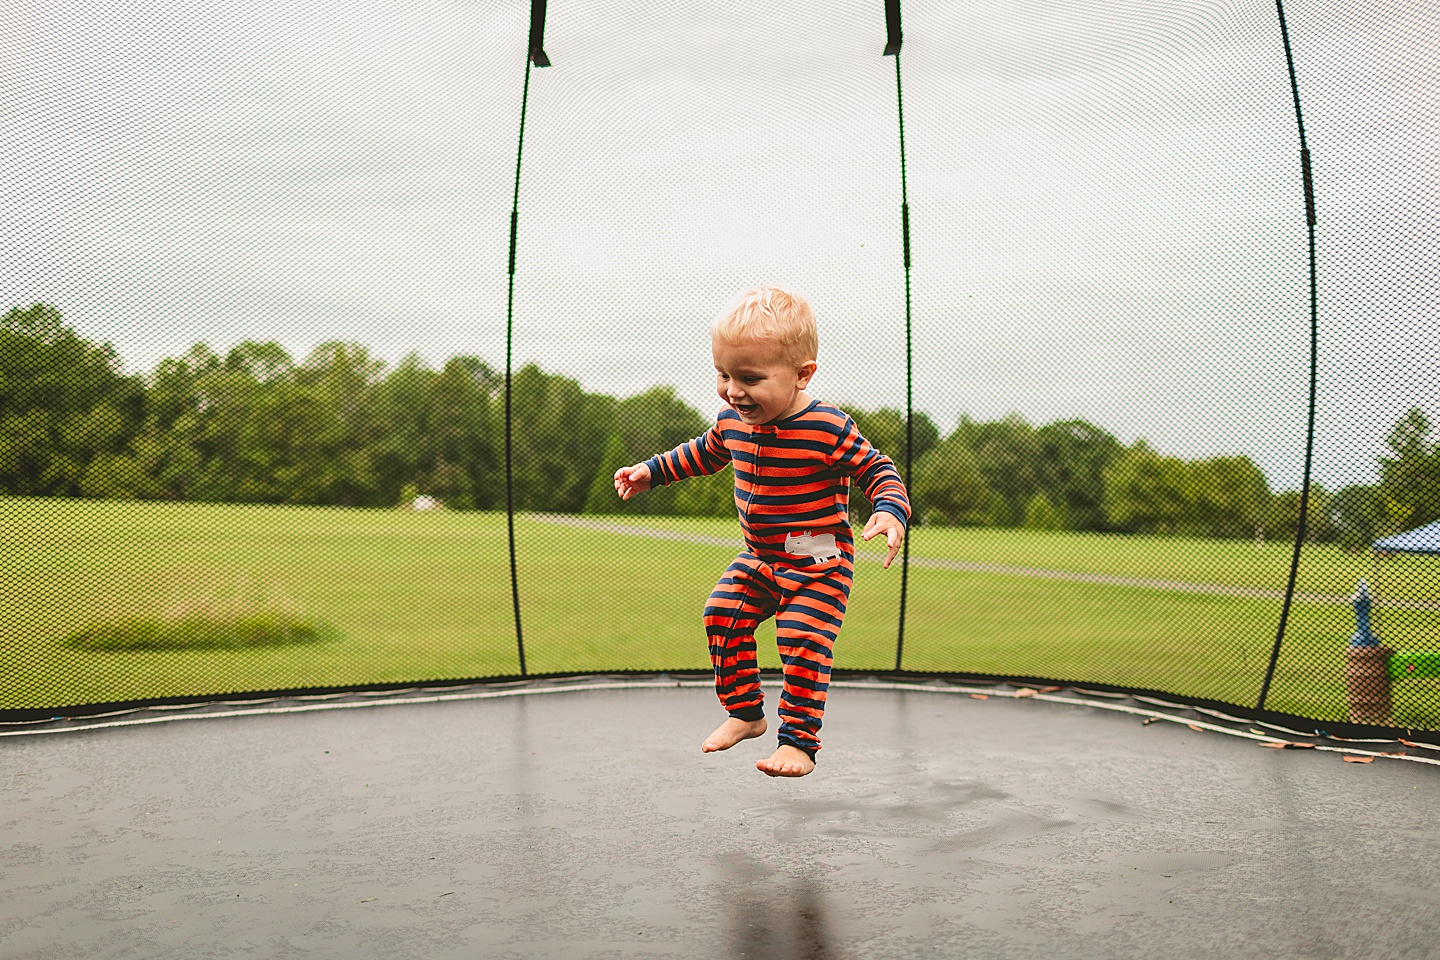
(806, 371)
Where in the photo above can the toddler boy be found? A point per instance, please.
(794, 458)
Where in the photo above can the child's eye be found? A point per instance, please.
(752, 379)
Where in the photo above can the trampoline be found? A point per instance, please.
(322, 633)
(579, 819)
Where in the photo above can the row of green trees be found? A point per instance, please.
(342, 428)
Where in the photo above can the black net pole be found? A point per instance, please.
(1300, 524)
(892, 48)
(509, 345)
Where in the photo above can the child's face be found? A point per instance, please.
(758, 383)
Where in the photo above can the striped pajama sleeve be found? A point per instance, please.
(701, 457)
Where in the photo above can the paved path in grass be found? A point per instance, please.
(934, 563)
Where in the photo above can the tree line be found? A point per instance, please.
(341, 427)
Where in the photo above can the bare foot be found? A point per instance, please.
(731, 732)
(787, 761)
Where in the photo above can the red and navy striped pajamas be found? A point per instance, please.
(792, 493)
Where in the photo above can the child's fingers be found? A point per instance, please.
(892, 537)
(625, 482)
(632, 480)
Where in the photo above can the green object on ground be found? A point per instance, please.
(1409, 664)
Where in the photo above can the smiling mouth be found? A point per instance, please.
(745, 407)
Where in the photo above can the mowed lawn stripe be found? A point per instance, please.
(941, 563)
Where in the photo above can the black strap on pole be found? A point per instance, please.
(1300, 524)
(892, 49)
(537, 34)
(892, 28)
(535, 55)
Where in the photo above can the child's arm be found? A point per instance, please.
(701, 457)
(877, 476)
(704, 455)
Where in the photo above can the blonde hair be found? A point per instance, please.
(770, 313)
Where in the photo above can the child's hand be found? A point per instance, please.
(632, 480)
(890, 525)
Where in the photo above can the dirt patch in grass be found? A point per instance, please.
(252, 631)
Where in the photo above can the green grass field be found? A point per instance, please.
(399, 596)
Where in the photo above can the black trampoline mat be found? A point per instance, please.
(587, 823)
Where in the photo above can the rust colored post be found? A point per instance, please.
(1367, 677)
(1367, 667)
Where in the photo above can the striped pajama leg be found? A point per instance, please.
(808, 604)
(744, 598)
(807, 621)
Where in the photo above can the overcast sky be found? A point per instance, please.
(1106, 210)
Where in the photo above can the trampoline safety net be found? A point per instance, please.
(326, 327)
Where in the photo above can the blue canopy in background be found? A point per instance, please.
(1424, 539)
